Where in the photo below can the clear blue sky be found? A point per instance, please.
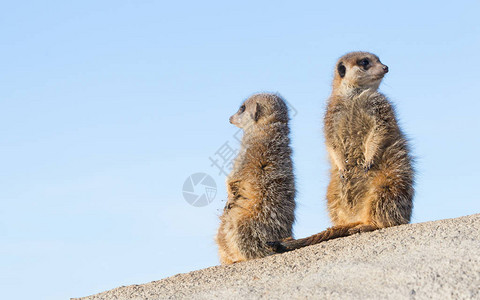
(106, 107)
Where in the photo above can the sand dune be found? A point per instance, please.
(433, 260)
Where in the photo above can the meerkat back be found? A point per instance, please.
(261, 187)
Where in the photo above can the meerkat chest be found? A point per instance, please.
(347, 126)
(352, 123)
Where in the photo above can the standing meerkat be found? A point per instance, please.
(371, 176)
(261, 187)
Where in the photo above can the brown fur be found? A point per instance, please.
(371, 177)
(261, 187)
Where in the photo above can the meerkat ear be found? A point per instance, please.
(341, 70)
(258, 112)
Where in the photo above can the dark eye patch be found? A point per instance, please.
(341, 70)
(364, 63)
(241, 109)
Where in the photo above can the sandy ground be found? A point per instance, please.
(433, 260)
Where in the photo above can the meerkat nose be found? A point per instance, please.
(230, 119)
(385, 69)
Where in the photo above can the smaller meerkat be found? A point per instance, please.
(371, 176)
(261, 187)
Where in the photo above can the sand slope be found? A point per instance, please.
(439, 260)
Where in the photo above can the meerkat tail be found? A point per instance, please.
(329, 234)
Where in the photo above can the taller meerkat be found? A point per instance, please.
(371, 176)
(261, 187)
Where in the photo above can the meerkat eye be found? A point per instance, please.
(364, 62)
(241, 109)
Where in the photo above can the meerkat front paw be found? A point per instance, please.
(228, 206)
(367, 165)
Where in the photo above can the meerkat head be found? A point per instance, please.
(260, 109)
(358, 70)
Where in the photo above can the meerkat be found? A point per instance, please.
(371, 176)
(261, 187)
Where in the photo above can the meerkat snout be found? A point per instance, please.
(385, 69)
(236, 119)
